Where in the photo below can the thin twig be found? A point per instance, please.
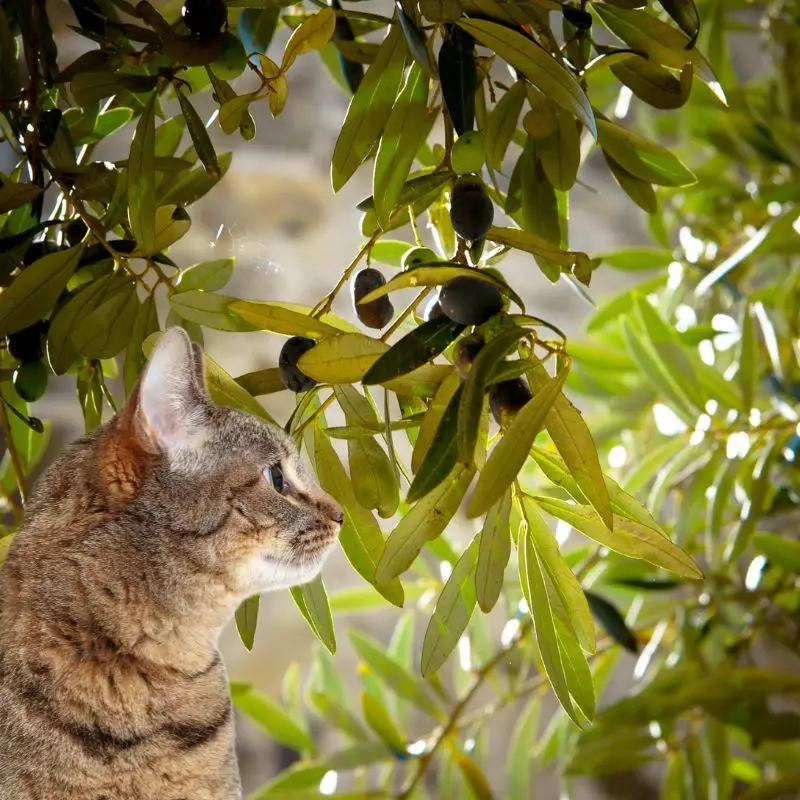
(401, 317)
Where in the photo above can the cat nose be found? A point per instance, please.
(332, 510)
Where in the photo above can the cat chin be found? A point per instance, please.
(265, 574)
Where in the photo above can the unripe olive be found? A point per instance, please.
(470, 301)
(468, 153)
(466, 351)
(293, 378)
(418, 255)
(27, 345)
(507, 398)
(30, 380)
(204, 18)
(378, 313)
(471, 209)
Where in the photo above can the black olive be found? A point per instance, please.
(377, 314)
(27, 345)
(470, 301)
(465, 352)
(471, 209)
(432, 308)
(30, 380)
(75, 232)
(204, 18)
(507, 398)
(291, 375)
(48, 125)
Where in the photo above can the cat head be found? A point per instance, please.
(221, 486)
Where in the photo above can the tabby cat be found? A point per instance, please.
(138, 544)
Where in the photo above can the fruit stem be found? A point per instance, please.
(12, 451)
(414, 228)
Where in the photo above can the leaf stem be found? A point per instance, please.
(16, 464)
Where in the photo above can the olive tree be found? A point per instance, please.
(474, 117)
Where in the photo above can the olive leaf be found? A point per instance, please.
(312, 601)
(494, 551)
(502, 124)
(247, 620)
(142, 179)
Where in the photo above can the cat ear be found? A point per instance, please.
(172, 399)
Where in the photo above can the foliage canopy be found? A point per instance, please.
(692, 377)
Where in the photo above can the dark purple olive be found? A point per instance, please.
(471, 209)
(75, 232)
(466, 351)
(28, 344)
(293, 378)
(470, 301)
(507, 398)
(377, 314)
(204, 18)
(432, 309)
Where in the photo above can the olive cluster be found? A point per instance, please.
(204, 18)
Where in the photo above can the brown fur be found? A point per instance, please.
(138, 544)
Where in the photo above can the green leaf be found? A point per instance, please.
(90, 396)
(312, 600)
(262, 381)
(379, 721)
(509, 455)
(534, 586)
(61, 351)
(494, 550)
(520, 752)
(538, 246)
(415, 349)
(344, 358)
(560, 153)
(13, 195)
(369, 109)
(200, 138)
(458, 76)
(502, 124)
(35, 291)
(441, 455)
(210, 310)
(142, 179)
(472, 403)
(612, 621)
(628, 538)
(90, 87)
(642, 158)
(360, 536)
(652, 83)
(432, 419)
(423, 523)
(208, 276)
(389, 251)
(104, 331)
(574, 442)
(247, 620)
(395, 675)
(537, 65)
(622, 503)
(438, 275)
(780, 550)
(417, 188)
(279, 319)
(662, 43)
(641, 192)
(9, 66)
(637, 259)
(225, 391)
(417, 44)
(452, 612)
(406, 129)
(561, 578)
(267, 714)
(748, 372)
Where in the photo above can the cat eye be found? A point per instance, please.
(274, 477)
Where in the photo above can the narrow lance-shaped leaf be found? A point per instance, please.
(641, 192)
(369, 109)
(200, 138)
(311, 34)
(312, 600)
(574, 442)
(431, 420)
(629, 538)
(494, 550)
(452, 612)
(502, 124)
(510, 453)
(520, 752)
(247, 620)
(614, 623)
(538, 66)
(266, 713)
(406, 129)
(142, 179)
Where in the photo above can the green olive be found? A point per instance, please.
(418, 255)
(469, 153)
(30, 380)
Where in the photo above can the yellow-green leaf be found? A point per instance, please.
(104, 331)
(560, 153)
(13, 195)
(312, 600)
(208, 276)
(509, 454)
(628, 538)
(280, 319)
(433, 417)
(311, 34)
(208, 309)
(142, 179)
(172, 223)
(537, 65)
(247, 620)
(574, 442)
(342, 359)
(267, 714)
(379, 721)
(537, 245)
(641, 192)
(494, 550)
(502, 123)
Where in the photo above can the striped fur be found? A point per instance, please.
(137, 546)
